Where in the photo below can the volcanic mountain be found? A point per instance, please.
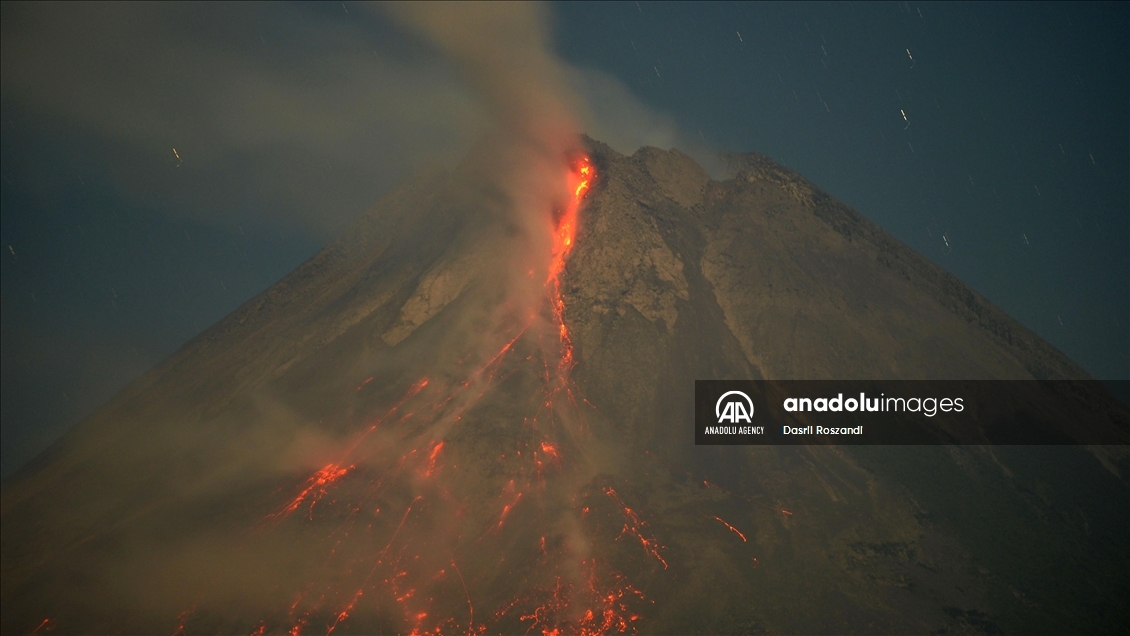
(387, 441)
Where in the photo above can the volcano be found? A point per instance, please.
(385, 441)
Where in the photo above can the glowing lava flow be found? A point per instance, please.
(403, 465)
(566, 233)
(634, 525)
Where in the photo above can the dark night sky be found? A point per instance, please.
(1011, 168)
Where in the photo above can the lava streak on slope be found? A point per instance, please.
(634, 526)
(732, 528)
(315, 488)
(581, 178)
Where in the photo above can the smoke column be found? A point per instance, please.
(503, 51)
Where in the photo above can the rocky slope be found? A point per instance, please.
(371, 446)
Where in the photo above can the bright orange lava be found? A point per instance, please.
(580, 180)
(732, 528)
(432, 459)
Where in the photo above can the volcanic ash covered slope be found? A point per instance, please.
(386, 441)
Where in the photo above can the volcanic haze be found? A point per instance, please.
(389, 440)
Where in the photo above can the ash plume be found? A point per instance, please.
(504, 54)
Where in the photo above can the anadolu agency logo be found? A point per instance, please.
(734, 410)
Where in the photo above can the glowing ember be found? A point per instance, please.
(549, 450)
(566, 232)
(607, 608)
(344, 614)
(316, 488)
(409, 466)
(732, 528)
(48, 624)
(182, 619)
(432, 459)
(581, 179)
(412, 392)
(633, 525)
(507, 508)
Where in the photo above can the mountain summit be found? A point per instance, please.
(414, 432)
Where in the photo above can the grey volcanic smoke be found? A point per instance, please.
(504, 53)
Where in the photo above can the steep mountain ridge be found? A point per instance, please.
(373, 445)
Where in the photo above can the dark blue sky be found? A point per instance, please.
(1011, 168)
